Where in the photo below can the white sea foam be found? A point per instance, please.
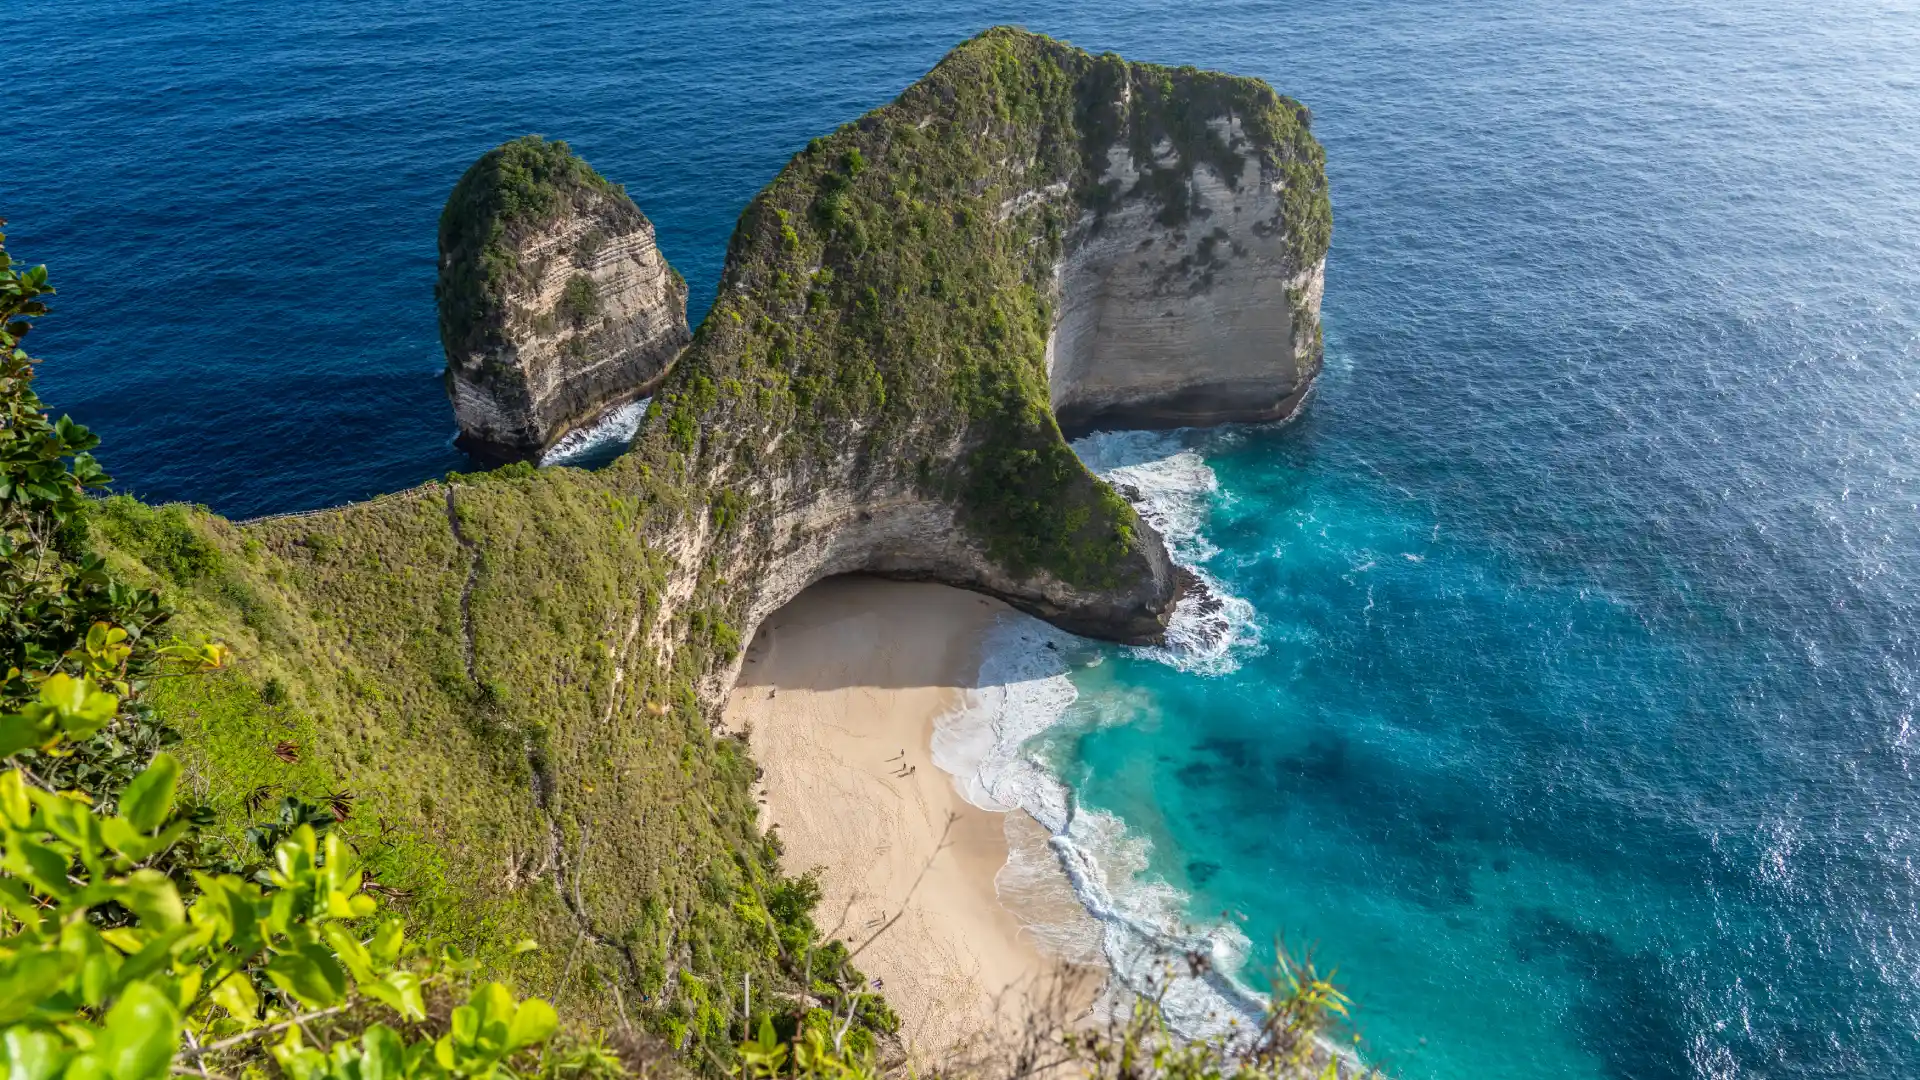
(1165, 479)
(1169, 483)
(989, 745)
(617, 426)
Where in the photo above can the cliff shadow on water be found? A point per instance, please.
(518, 671)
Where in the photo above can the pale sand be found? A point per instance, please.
(840, 691)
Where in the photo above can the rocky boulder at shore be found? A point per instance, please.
(555, 303)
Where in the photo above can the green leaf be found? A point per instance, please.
(226, 908)
(155, 955)
(383, 1055)
(63, 693)
(465, 1026)
(19, 732)
(294, 858)
(80, 710)
(142, 1034)
(350, 952)
(14, 804)
(130, 842)
(73, 821)
(388, 941)
(96, 979)
(43, 868)
(493, 1012)
(342, 876)
(151, 895)
(148, 799)
(100, 635)
(33, 1055)
(399, 991)
(443, 1048)
(30, 976)
(534, 1022)
(297, 1061)
(312, 976)
(237, 995)
(17, 902)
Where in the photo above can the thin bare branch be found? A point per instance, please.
(271, 1029)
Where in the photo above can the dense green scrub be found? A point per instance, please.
(506, 682)
(522, 789)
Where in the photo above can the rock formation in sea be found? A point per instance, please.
(910, 310)
(555, 303)
(1027, 231)
(1192, 308)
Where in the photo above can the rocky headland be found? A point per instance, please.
(1192, 306)
(555, 302)
(519, 673)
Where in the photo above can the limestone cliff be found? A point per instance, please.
(1029, 230)
(1187, 314)
(517, 671)
(555, 302)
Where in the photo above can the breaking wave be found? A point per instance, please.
(990, 745)
(609, 434)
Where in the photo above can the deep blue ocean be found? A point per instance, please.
(1574, 718)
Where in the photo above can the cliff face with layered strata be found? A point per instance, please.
(555, 302)
(1199, 317)
(517, 672)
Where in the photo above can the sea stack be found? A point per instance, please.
(1029, 242)
(555, 302)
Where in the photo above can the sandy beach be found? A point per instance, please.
(840, 691)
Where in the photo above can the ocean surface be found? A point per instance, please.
(1561, 687)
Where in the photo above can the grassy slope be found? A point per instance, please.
(520, 706)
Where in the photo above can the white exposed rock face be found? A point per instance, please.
(1201, 322)
(597, 321)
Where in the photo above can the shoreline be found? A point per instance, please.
(840, 694)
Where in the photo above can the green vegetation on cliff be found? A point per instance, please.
(895, 279)
(378, 650)
(513, 189)
(501, 688)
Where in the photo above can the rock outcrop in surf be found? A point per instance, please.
(555, 302)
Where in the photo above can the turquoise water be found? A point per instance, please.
(1578, 727)
(1570, 709)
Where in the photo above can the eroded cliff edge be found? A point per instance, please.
(1028, 230)
(555, 301)
(516, 672)
(1196, 305)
